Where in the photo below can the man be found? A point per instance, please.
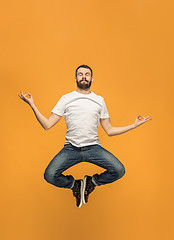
(83, 111)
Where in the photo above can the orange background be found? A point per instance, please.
(129, 46)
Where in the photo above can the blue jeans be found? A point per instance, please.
(71, 155)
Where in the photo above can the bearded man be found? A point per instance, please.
(83, 112)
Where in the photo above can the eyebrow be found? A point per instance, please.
(85, 73)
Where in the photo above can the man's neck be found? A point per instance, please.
(83, 91)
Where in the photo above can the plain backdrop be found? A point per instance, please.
(129, 46)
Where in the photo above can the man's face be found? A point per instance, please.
(84, 78)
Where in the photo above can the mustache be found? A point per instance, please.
(83, 80)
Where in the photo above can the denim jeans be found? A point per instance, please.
(71, 155)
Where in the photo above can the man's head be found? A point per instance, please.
(83, 77)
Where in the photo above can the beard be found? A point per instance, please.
(83, 84)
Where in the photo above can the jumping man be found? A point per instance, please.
(83, 112)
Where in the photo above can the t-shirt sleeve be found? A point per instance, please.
(59, 107)
(104, 111)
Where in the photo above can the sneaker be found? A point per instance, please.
(88, 187)
(77, 192)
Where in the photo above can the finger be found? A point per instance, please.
(23, 97)
(23, 94)
(141, 116)
(148, 119)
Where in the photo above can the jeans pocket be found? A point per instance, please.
(67, 146)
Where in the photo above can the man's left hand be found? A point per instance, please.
(138, 121)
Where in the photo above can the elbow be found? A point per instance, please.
(109, 132)
(47, 126)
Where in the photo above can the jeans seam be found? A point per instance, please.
(72, 185)
(94, 181)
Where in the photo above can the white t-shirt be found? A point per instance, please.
(82, 113)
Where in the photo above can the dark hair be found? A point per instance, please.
(84, 66)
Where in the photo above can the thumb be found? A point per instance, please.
(27, 94)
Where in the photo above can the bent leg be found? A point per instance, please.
(66, 158)
(103, 158)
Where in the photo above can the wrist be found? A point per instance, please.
(134, 125)
(32, 105)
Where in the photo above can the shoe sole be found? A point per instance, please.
(81, 193)
(83, 190)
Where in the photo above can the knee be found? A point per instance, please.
(119, 171)
(49, 175)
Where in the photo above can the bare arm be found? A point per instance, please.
(45, 123)
(52, 120)
(111, 131)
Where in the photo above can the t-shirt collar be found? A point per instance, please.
(83, 93)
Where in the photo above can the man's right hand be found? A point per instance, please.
(27, 100)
